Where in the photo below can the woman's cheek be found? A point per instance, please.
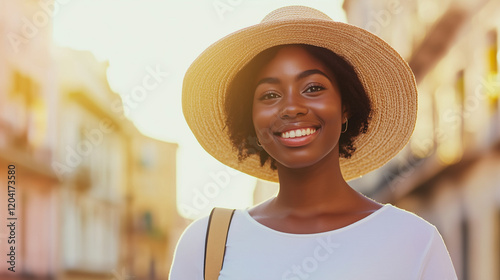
(263, 119)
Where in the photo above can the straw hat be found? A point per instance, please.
(386, 77)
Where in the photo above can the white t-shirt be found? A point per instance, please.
(389, 244)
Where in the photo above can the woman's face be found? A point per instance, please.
(297, 111)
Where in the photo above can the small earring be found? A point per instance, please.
(346, 125)
(258, 143)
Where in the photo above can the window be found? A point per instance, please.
(493, 80)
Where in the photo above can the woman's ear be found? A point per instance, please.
(345, 113)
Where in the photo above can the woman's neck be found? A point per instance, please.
(314, 187)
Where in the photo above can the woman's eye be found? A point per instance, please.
(269, 95)
(314, 88)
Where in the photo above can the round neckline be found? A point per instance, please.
(247, 215)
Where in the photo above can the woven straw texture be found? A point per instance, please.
(386, 77)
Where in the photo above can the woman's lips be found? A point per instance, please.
(298, 137)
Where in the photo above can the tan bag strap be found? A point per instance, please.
(215, 242)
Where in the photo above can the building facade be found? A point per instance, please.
(94, 198)
(448, 172)
(28, 105)
(118, 192)
(91, 164)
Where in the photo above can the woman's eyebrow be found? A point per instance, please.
(307, 73)
(268, 81)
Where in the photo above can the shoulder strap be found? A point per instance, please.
(215, 242)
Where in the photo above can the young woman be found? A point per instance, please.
(310, 103)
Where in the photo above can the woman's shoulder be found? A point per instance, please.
(189, 252)
(396, 221)
(405, 217)
(196, 229)
(389, 218)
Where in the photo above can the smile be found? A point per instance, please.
(298, 132)
(297, 137)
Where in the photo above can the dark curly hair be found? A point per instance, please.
(239, 102)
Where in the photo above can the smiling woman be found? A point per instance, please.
(294, 93)
(342, 76)
(310, 103)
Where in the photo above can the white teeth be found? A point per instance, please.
(298, 133)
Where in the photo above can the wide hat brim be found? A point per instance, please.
(386, 77)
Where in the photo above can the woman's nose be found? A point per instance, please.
(293, 106)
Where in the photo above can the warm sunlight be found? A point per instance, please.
(157, 41)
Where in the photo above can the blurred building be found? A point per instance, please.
(449, 172)
(118, 185)
(91, 162)
(95, 199)
(156, 224)
(28, 105)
